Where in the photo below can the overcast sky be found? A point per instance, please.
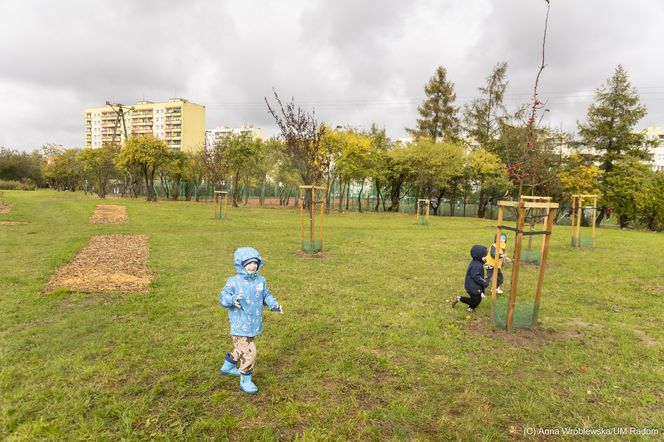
(352, 61)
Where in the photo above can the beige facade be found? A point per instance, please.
(213, 136)
(178, 122)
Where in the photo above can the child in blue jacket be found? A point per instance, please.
(475, 282)
(244, 295)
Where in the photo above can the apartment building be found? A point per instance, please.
(213, 136)
(656, 133)
(180, 123)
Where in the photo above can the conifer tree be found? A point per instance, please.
(438, 115)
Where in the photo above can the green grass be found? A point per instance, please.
(368, 349)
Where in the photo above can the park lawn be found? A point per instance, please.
(368, 348)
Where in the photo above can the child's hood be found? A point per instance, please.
(478, 252)
(243, 254)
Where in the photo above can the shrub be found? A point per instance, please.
(24, 184)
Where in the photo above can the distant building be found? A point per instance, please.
(178, 122)
(656, 133)
(213, 136)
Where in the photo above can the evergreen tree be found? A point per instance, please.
(482, 117)
(611, 122)
(439, 120)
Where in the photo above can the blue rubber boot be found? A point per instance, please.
(229, 367)
(246, 385)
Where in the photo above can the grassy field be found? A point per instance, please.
(369, 348)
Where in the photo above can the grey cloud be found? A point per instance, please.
(355, 62)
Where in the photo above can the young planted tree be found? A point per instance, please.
(146, 153)
(438, 115)
(534, 165)
(99, 166)
(302, 136)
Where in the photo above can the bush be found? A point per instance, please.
(25, 184)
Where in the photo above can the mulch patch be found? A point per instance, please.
(533, 337)
(317, 255)
(109, 214)
(109, 263)
(6, 207)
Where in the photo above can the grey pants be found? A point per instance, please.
(244, 352)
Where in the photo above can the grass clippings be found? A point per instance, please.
(109, 263)
(13, 223)
(6, 207)
(109, 214)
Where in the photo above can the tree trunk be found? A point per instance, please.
(481, 205)
(359, 198)
(377, 196)
(624, 221)
(600, 216)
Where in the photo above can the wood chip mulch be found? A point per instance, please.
(109, 263)
(107, 214)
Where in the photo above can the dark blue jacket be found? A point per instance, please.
(475, 282)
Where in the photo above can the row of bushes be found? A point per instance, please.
(25, 184)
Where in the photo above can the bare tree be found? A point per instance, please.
(302, 135)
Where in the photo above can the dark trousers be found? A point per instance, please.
(472, 301)
(489, 275)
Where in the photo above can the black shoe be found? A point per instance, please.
(470, 309)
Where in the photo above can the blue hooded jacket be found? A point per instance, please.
(475, 282)
(248, 319)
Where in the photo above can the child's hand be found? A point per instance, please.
(280, 309)
(238, 299)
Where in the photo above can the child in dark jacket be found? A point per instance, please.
(475, 282)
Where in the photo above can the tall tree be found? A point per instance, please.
(487, 173)
(625, 188)
(146, 153)
(233, 158)
(21, 166)
(381, 145)
(62, 169)
(99, 166)
(354, 164)
(438, 115)
(483, 116)
(611, 122)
